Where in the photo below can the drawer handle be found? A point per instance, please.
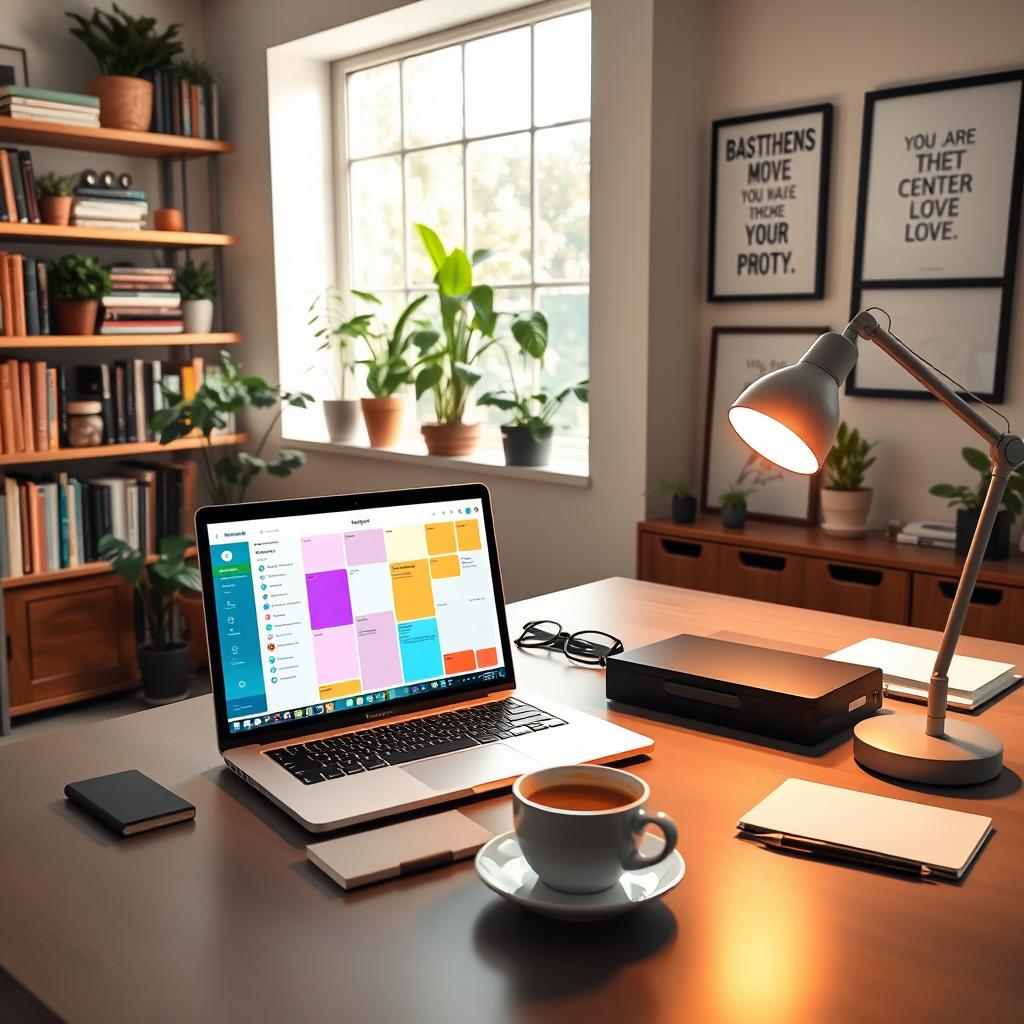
(681, 548)
(982, 595)
(759, 560)
(856, 574)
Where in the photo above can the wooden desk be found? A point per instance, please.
(224, 920)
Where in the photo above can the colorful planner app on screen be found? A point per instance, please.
(322, 613)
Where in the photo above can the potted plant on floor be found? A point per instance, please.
(684, 504)
(845, 501)
(339, 334)
(447, 365)
(732, 503)
(198, 289)
(969, 500)
(125, 48)
(163, 657)
(55, 198)
(77, 284)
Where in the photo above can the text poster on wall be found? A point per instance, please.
(769, 205)
(937, 223)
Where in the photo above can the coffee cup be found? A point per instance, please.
(578, 826)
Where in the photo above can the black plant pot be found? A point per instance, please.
(684, 510)
(164, 673)
(734, 517)
(523, 449)
(967, 523)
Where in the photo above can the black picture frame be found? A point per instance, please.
(22, 55)
(817, 290)
(1005, 282)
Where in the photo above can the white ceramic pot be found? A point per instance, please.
(197, 315)
(343, 417)
(845, 513)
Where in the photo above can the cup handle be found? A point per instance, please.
(666, 825)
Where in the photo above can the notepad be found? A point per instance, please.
(906, 672)
(848, 822)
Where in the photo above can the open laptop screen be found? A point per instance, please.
(318, 612)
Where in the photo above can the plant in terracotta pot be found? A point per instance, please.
(845, 501)
(198, 288)
(684, 504)
(969, 500)
(732, 503)
(55, 198)
(125, 47)
(163, 656)
(447, 366)
(77, 283)
(339, 334)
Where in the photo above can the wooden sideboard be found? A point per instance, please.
(872, 578)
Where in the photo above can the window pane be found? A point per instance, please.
(499, 205)
(376, 198)
(432, 90)
(498, 83)
(374, 118)
(563, 203)
(433, 192)
(567, 361)
(561, 54)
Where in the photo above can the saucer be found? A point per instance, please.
(503, 868)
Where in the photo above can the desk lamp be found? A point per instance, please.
(790, 417)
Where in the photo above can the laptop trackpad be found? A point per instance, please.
(470, 768)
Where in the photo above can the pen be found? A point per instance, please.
(817, 848)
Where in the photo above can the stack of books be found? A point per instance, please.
(122, 208)
(143, 301)
(24, 299)
(928, 535)
(51, 107)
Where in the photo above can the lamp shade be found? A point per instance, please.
(791, 416)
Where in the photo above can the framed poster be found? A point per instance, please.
(769, 205)
(739, 356)
(937, 226)
(15, 60)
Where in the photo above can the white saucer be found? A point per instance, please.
(503, 868)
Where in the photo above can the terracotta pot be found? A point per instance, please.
(383, 418)
(168, 218)
(451, 438)
(76, 316)
(845, 513)
(125, 102)
(56, 210)
(342, 418)
(197, 316)
(191, 605)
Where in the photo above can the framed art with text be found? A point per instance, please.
(739, 356)
(938, 214)
(769, 205)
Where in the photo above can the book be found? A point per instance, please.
(140, 399)
(7, 440)
(13, 104)
(27, 414)
(43, 292)
(16, 272)
(925, 542)
(16, 410)
(12, 532)
(17, 181)
(77, 99)
(41, 117)
(31, 288)
(29, 181)
(129, 802)
(40, 408)
(7, 180)
(939, 531)
(52, 409)
(129, 300)
(91, 192)
(6, 291)
(64, 522)
(907, 670)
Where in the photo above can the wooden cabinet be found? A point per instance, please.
(870, 578)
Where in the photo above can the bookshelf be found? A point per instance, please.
(116, 451)
(145, 238)
(88, 569)
(92, 341)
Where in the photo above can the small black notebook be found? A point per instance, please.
(129, 802)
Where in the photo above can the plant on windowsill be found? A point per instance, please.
(164, 657)
(198, 288)
(125, 48)
(845, 501)
(968, 502)
(55, 198)
(684, 504)
(732, 503)
(77, 283)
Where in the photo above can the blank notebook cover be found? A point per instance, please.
(942, 840)
(129, 802)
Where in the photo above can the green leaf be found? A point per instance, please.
(497, 399)
(977, 460)
(479, 255)
(455, 275)
(174, 548)
(435, 250)
(467, 373)
(425, 340)
(530, 329)
(428, 378)
(366, 296)
(945, 490)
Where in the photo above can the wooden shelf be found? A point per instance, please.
(116, 451)
(107, 140)
(88, 569)
(112, 236)
(118, 340)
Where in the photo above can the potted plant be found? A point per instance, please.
(733, 505)
(446, 365)
(77, 284)
(845, 501)
(969, 500)
(125, 48)
(55, 198)
(684, 504)
(163, 657)
(339, 334)
(198, 288)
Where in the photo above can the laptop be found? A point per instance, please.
(360, 656)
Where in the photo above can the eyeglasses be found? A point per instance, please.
(587, 647)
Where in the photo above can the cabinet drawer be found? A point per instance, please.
(761, 575)
(996, 612)
(865, 591)
(678, 561)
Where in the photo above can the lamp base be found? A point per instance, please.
(897, 745)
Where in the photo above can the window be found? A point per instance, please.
(486, 139)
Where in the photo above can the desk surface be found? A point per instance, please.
(225, 920)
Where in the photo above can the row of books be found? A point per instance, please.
(34, 399)
(184, 108)
(24, 296)
(19, 203)
(143, 300)
(49, 106)
(52, 523)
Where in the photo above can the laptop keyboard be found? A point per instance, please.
(399, 743)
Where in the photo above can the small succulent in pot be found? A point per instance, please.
(733, 505)
(845, 501)
(77, 283)
(55, 198)
(198, 288)
(684, 504)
